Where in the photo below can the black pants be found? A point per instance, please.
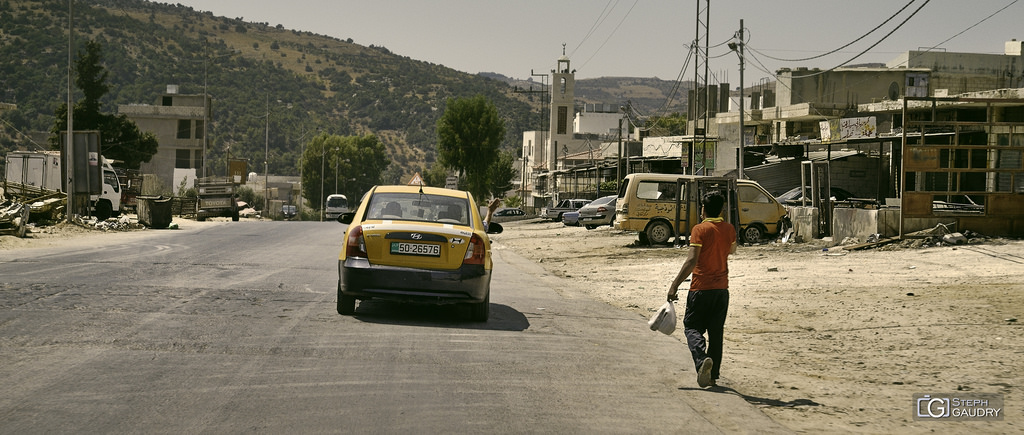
(705, 313)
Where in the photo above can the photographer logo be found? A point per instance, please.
(958, 407)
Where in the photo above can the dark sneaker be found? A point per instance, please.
(704, 373)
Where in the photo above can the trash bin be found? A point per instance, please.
(154, 211)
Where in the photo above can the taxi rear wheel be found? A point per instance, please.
(481, 311)
(346, 304)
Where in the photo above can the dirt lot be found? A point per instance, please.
(822, 340)
(829, 340)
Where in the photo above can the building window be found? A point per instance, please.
(182, 159)
(167, 101)
(184, 129)
(199, 160)
(563, 87)
(199, 129)
(563, 116)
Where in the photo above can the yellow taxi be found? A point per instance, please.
(416, 244)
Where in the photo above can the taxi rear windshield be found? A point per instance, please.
(419, 208)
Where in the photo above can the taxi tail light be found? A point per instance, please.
(476, 252)
(355, 245)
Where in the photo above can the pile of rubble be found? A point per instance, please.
(122, 223)
(941, 235)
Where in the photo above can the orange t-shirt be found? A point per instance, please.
(715, 237)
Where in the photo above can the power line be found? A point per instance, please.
(974, 25)
(600, 19)
(887, 35)
(611, 34)
(893, 16)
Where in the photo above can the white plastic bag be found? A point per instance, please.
(664, 321)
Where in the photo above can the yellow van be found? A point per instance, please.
(650, 203)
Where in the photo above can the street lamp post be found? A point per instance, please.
(266, 163)
(323, 157)
(206, 103)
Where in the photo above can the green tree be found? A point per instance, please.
(513, 201)
(469, 134)
(501, 174)
(436, 176)
(352, 163)
(673, 124)
(120, 138)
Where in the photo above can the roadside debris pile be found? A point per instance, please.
(940, 235)
(123, 223)
(13, 218)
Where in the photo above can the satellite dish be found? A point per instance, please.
(894, 91)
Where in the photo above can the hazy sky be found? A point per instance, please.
(640, 38)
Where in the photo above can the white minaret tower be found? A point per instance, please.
(563, 93)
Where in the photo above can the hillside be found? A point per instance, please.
(306, 82)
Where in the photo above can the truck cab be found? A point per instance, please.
(108, 203)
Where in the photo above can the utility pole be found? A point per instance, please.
(618, 158)
(737, 46)
(69, 167)
(543, 92)
(266, 161)
(700, 139)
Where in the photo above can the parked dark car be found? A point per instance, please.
(288, 211)
(509, 212)
(795, 195)
(597, 213)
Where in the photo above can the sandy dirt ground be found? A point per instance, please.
(822, 339)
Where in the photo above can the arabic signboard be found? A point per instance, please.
(835, 130)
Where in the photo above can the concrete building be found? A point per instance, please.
(805, 97)
(179, 123)
(848, 125)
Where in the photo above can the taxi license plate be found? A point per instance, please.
(402, 248)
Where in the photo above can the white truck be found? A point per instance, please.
(38, 172)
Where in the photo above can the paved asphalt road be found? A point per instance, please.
(231, 327)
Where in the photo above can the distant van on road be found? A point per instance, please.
(336, 205)
(647, 203)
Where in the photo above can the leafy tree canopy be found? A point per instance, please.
(469, 133)
(120, 138)
(353, 164)
(501, 174)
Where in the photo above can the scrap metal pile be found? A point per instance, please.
(14, 218)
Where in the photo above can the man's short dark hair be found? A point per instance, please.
(712, 203)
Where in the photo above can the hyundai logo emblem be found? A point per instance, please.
(416, 236)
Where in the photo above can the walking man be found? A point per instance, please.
(707, 302)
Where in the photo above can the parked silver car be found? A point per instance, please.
(597, 213)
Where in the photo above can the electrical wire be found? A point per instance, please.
(887, 35)
(600, 19)
(27, 137)
(611, 34)
(973, 25)
(893, 16)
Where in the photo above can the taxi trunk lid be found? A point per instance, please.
(431, 246)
